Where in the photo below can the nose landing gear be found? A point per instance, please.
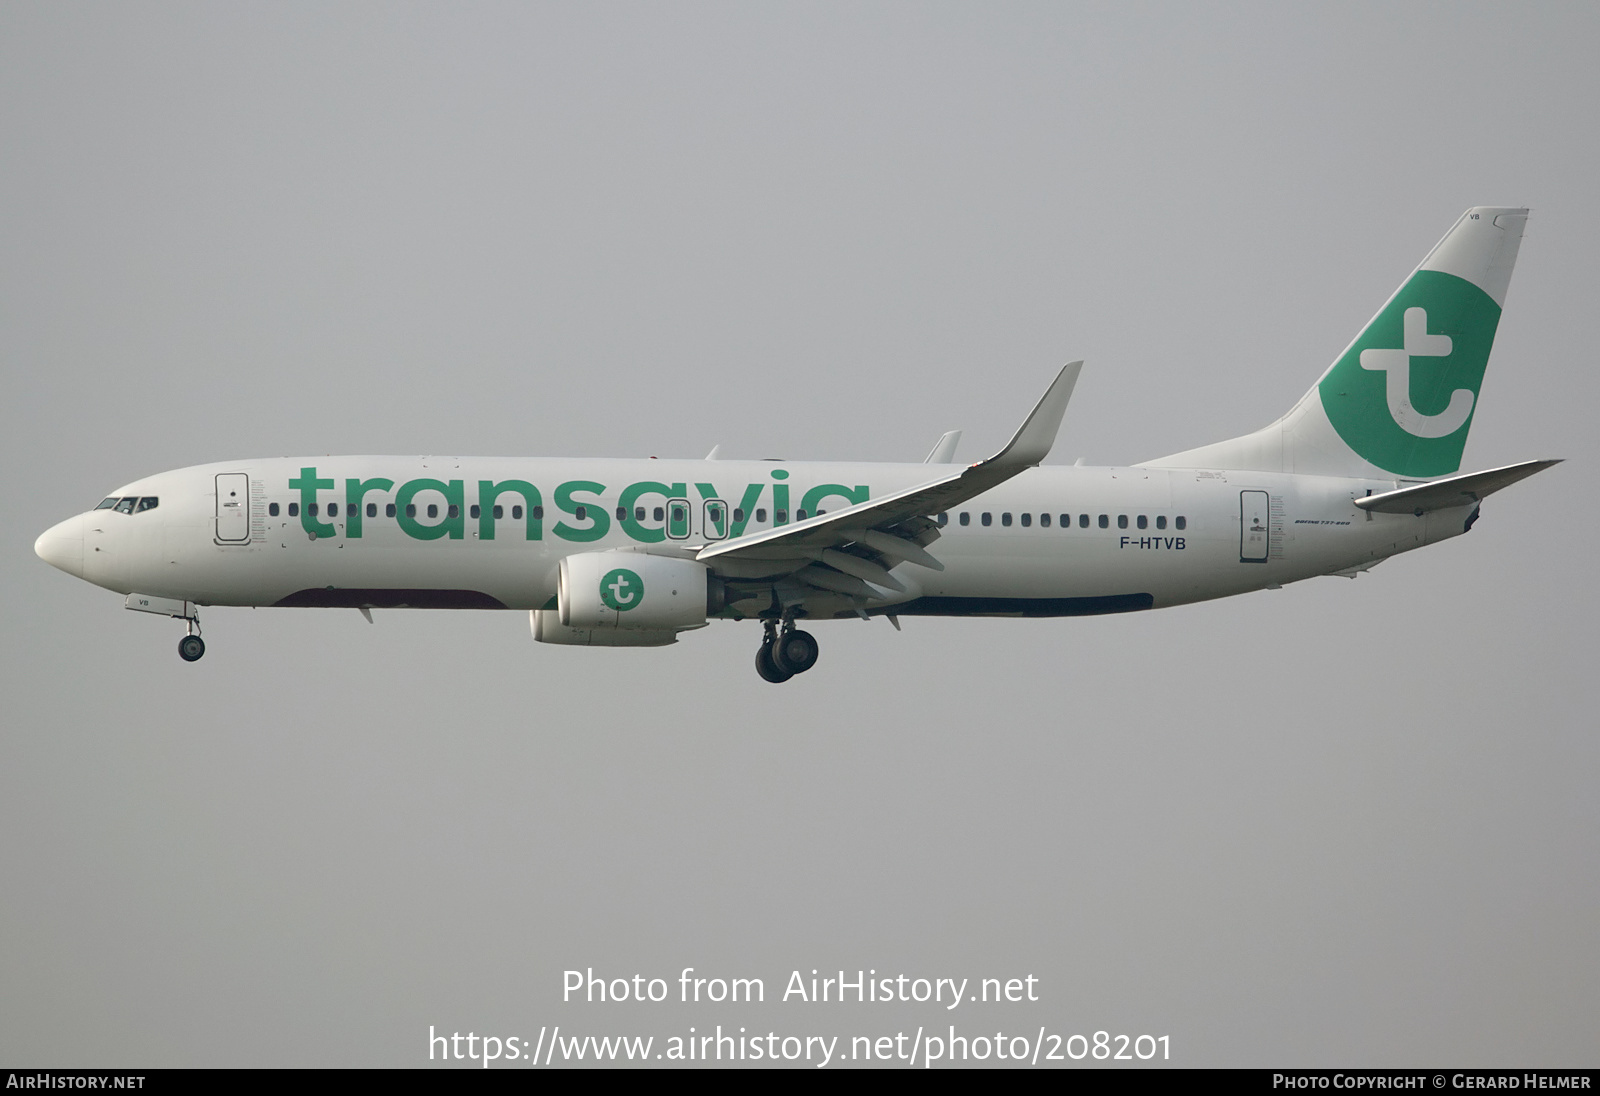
(191, 646)
(786, 653)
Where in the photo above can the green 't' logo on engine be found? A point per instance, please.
(1403, 395)
(621, 589)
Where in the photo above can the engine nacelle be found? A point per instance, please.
(547, 628)
(633, 591)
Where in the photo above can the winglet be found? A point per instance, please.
(1034, 438)
(944, 450)
(1027, 448)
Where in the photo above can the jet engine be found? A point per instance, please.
(635, 592)
(547, 628)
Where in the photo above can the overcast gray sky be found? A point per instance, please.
(1345, 822)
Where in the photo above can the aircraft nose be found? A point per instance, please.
(61, 546)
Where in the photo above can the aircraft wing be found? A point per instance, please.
(843, 550)
(1452, 491)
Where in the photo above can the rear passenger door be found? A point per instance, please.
(1253, 518)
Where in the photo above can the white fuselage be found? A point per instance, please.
(1154, 536)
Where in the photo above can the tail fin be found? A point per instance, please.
(1400, 399)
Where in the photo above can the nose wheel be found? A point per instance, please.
(786, 653)
(191, 646)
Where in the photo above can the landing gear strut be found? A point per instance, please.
(191, 646)
(785, 653)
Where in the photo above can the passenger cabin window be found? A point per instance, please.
(272, 509)
(1044, 521)
(1027, 520)
(738, 513)
(581, 513)
(433, 509)
(1161, 521)
(474, 511)
(516, 512)
(388, 510)
(1105, 522)
(1181, 523)
(761, 515)
(987, 518)
(799, 515)
(294, 509)
(1122, 521)
(660, 514)
(622, 513)
(1005, 518)
(1143, 522)
(780, 517)
(1083, 521)
(944, 517)
(638, 513)
(455, 511)
(500, 512)
(372, 509)
(411, 509)
(966, 518)
(311, 508)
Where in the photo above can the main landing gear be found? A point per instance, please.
(785, 653)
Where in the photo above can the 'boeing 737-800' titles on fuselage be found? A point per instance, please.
(631, 553)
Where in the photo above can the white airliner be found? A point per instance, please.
(629, 553)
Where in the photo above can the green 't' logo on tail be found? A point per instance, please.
(622, 589)
(1403, 395)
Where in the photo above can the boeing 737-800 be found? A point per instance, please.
(630, 553)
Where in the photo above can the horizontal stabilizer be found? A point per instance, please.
(1455, 491)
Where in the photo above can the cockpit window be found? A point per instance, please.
(107, 504)
(149, 502)
(125, 506)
